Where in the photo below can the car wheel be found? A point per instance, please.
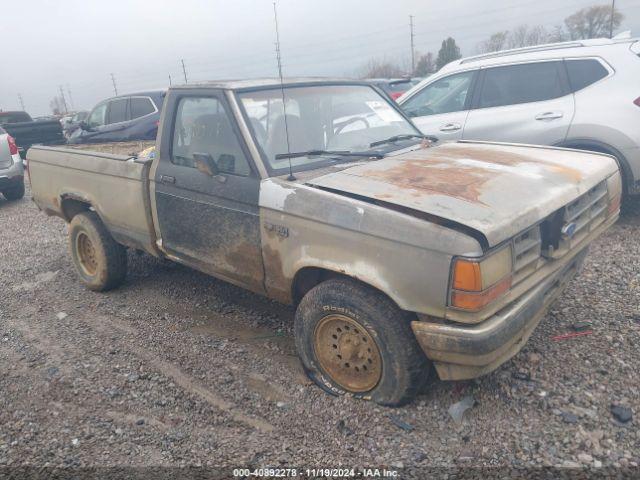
(14, 193)
(353, 339)
(100, 261)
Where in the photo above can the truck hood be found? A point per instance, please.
(498, 190)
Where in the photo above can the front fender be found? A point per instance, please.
(405, 257)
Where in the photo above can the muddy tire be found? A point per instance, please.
(100, 262)
(14, 193)
(352, 339)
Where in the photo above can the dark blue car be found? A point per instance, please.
(120, 119)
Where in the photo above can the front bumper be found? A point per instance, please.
(468, 351)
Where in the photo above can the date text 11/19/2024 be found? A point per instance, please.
(315, 473)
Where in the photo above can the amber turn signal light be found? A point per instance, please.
(467, 276)
(474, 301)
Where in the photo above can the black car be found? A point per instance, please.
(120, 119)
(27, 131)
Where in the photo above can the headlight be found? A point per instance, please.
(477, 282)
(614, 187)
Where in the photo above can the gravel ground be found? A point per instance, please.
(179, 369)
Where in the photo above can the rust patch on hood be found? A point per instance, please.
(461, 171)
(505, 156)
(435, 178)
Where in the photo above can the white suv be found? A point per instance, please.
(582, 94)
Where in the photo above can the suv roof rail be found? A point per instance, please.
(624, 37)
(515, 51)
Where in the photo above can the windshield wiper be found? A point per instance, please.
(325, 153)
(396, 138)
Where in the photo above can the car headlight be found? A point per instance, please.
(476, 282)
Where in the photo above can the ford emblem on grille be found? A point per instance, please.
(569, 229)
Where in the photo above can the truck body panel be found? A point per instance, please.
(207, 197)
(115, 186)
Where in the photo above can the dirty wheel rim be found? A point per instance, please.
(347, 353)
(86, 254)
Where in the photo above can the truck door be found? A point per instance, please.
(523, 103)
(206, 190)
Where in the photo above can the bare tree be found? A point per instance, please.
(522, 36)
(494, 43)
(558, 35)
(526, 36)
(425, 65)
(381, 68)
(592, 22)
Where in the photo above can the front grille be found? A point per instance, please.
(559, 232)
(526, 253)
(579, 218)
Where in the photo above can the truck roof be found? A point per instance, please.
(269, 82)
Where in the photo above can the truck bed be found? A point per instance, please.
(117, 148)
(114, 185)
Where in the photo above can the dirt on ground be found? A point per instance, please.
(179, 369)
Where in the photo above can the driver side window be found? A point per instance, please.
(98, 116)
(445, 95)
(203, 127)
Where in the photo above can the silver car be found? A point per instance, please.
(580, 94)
(11, 169)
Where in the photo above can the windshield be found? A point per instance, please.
(327, 117)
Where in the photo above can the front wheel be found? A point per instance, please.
(352, 339)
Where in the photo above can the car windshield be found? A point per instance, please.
(326, 117)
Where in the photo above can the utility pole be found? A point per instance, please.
(115, 88)
(21, 102)
(413, 52)
(169, 79)
(64, 101)
(70, 97)
(184, 70)
(613, 11)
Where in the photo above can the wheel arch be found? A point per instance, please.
(309, 276)
(602, 147)
(71, 205)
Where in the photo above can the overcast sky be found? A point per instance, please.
(77, 44)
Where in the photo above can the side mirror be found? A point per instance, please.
(86, 127)
(205, 163)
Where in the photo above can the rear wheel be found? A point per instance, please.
(352, 339)
(100, 261)
(14, 193)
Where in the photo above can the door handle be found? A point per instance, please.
(167, 179)
(549, 115)
(450, 127)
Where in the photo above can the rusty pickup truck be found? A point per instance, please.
(398, 255)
